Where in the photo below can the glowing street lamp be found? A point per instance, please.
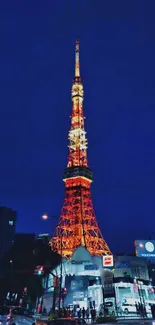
(11, 263)
(44, 216)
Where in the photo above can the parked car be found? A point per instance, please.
(67, 321)
(16, 316)
(4, 314)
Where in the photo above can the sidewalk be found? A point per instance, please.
(136, 321)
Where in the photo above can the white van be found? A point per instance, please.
(128, 306)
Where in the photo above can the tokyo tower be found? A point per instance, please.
(77, 224)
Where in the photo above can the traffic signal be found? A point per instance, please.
(25, 290)
(63, 291)
(39, 270)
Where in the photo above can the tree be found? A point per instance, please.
(19, 265)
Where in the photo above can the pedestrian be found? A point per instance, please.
(87, 314)
(93, 314)
(79, 313)
(83, 313)
(153, 311)
(44, 311)
(137, 307)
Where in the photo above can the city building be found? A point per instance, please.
(81, 278)
(20, 255)
(24, 239)
(146, 249)
(8, 218)
(44, 238)
(132, 283)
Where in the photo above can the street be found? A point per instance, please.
(134, 322)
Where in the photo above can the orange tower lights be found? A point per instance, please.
(77, 224)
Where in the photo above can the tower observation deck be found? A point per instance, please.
(77, 224)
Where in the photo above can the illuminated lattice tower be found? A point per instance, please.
(77, 224)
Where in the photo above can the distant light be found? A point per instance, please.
(141, 245)
(11, 261)
(25, 289)
(44, 216)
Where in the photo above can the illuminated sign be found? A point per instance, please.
(149, 246)
(90, 267)
(145, 248)
(108, 261)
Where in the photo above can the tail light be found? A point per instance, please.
(9, 317)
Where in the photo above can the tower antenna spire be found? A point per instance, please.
(77, 59)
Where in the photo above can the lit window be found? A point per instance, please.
(10, 223)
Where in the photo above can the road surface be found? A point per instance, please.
(132, 322)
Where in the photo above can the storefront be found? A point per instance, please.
(81, 278)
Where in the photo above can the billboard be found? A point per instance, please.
(108, 261)
(145, 248)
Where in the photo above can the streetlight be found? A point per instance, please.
(11, 263)
(45, 216)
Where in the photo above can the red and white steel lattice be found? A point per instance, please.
(77, 224)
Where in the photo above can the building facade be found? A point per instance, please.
(132, 284)
(81, 279)
(8, 218)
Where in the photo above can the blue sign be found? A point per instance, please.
(123, 264)
(91, 267)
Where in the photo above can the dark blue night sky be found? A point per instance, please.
(117, 45)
